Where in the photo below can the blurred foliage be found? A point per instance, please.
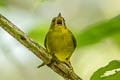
(23, 4)
(111, 66)
(97, 32)
(38, 33)
(117, 39)
(3, 3)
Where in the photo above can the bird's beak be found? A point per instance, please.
(59, 20)
(59, 15)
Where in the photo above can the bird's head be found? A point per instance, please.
(58, 21)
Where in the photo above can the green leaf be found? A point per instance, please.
(97, 32)
(112, 69)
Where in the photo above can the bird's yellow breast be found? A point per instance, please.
(59, 42)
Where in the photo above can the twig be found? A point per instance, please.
(39, 51)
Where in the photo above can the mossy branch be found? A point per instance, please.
(39, 51)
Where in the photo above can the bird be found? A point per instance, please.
(59, 40)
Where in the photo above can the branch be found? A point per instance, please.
(39, 51)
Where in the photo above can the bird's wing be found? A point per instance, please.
(45, 44)
(74, 41)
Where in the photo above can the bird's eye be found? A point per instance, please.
(53, 20)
